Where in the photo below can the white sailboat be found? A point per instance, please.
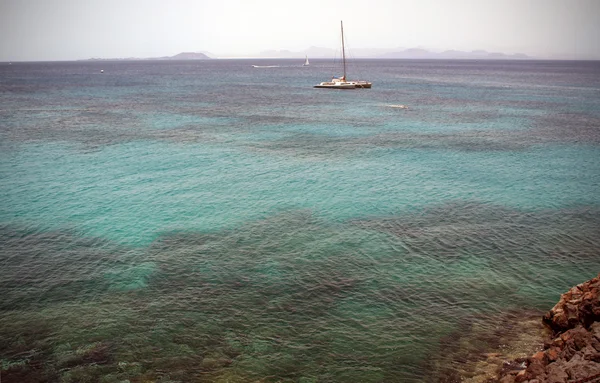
(306, 63)
(341, 82)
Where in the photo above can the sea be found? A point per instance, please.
(211, 221)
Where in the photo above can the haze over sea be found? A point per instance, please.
(210, 221)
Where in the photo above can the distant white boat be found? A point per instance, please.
(341, 82)
(306, 63)
(265, 66)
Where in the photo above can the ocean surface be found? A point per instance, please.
(214, 222)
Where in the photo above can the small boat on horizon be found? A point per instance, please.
(306, 63)
(341, 82)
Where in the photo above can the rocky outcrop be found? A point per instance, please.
(573, 353)
(579, 306)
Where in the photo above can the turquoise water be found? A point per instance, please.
(210, 221)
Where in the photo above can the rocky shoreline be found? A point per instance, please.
(572, 354)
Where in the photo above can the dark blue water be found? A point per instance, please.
(211, 221)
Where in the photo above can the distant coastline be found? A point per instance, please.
(364, 53)
(361, 53)
(325, 53)
(397, 53)
(179, 56)
(453, 54)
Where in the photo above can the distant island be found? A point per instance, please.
(327, 53)
(179, 56)
(187, 56)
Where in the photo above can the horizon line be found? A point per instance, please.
(93, 59)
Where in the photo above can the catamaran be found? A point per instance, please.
(341, 82)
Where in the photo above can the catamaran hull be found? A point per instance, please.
(347, 85)
(337, 86)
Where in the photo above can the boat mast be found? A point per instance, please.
(343, 50)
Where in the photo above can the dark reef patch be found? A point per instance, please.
(287, 297)
(41, 267)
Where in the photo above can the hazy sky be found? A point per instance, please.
(79, 29)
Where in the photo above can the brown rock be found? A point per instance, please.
(509, 366)
(539, 356)
(590, 353)
(552, 354)
(578, 368)
(556, 320)
(567, 338)
(554, 374)
(580, 305)
(595, 329)
(590, 311)
(568, 352)
(595, 357)
(585, 287)
(535, 369)
(574, 351)
(576, 290)
(588, 296)
(581, 337)
(558, 342)
(522, 376)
